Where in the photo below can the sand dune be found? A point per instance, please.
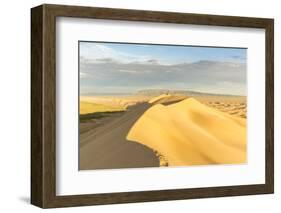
(167, 99)
(191, 133)
(159, 98)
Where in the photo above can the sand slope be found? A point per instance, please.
(167, 99)
(158, 98)
(191, 133)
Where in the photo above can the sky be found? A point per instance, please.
(127, 68)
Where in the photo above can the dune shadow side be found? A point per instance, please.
(106, 147)
(98, 115)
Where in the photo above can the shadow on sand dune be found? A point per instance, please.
(106, 146)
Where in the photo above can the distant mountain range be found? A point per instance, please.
(190, 93)
(156, 92)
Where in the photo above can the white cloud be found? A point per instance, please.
(215, 76)
(98, 53)
(95, 53)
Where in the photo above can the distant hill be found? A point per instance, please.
(190, 93)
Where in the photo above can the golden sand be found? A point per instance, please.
(88, 107)
(158, 98)
(191, 133)
(115, 101)
(236, 106)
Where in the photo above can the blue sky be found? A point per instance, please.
(180, 54)
(123, 68)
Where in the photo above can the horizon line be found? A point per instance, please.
(173, 91)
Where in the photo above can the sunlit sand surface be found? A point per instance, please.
(189, 132)
(236, 106)
(110, 102)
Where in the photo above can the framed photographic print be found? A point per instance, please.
(136, 106)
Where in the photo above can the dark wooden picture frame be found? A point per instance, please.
(43, 105)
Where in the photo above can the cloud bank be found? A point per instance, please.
(110, 71)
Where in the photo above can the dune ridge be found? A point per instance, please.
(191, 133)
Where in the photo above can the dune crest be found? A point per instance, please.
(191, 133)
(158, 98)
